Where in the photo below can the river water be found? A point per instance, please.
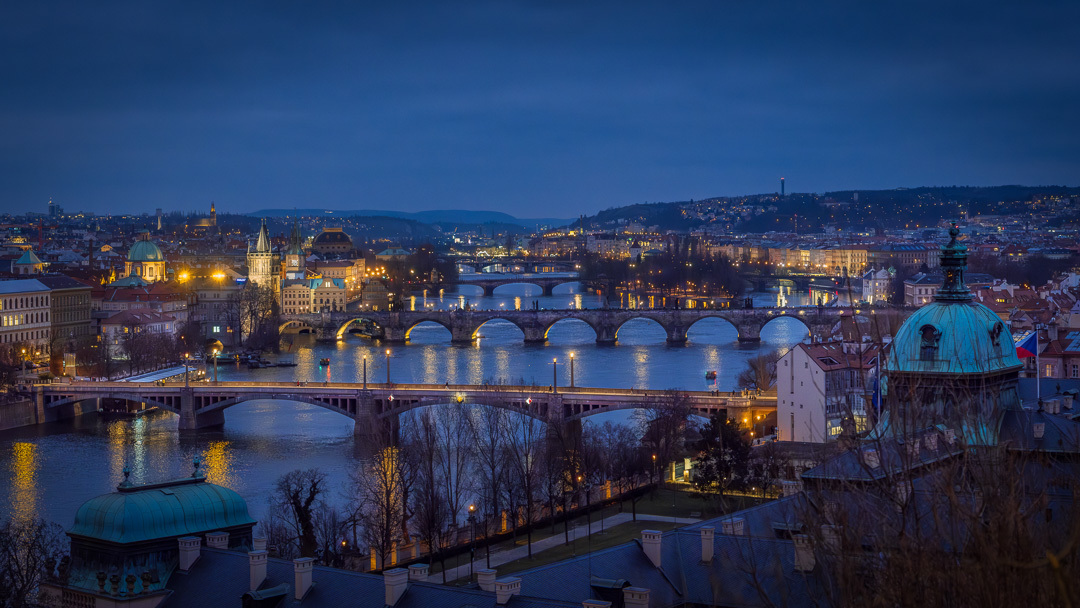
(49, 470)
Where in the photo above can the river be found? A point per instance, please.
(50, 470)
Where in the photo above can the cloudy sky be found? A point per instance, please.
(539, 109)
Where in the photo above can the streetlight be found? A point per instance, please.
(365, 372)
(571, 370)
(388, 366)
(186, 355)
(215, 365)
(472, 547)
(555, 375)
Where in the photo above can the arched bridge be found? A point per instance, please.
(395, 326)
(546, 283)
(374, 406)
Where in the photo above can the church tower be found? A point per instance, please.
(213, 215)
(260, 260)
(294, 255)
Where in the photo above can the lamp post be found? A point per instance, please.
(215, 365)
(24, 364)
(388, 366)
(555, 375)
(365, 372)
(186, 355)
(571, 370)
(472, 547)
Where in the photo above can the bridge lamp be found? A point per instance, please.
(571, 370)
(388, 366)
(460, 398)
(554, 375)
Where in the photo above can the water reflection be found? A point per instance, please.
(24, 490)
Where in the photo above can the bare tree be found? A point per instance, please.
(429, 500)
(26, 548)
(524, 450)
(381, 489)
(760, 372)
(487, 429)
(664, 424)
(297, 497)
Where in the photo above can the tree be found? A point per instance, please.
(296, 500)
(722, 461)
(487, 430)
(767, 464)
(760, 372)
(381, 489)
(664, 424)
(26, 548)
(429, 501)
(524, 449)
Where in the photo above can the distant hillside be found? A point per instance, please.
(444, 216)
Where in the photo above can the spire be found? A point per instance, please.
(263, 244)
(954, 264)
(296, 242)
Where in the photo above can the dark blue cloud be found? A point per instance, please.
(535, 108)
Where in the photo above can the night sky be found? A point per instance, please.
(538, 109)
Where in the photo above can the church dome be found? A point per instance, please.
(155, 511)
(333, 236)
(953, 334)
(145, 251)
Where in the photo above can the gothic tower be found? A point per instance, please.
(294, 255)
(260, 260)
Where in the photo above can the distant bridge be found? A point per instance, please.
(463, 325)
(547, 284)
(376, 406)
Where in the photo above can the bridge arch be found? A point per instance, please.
(346, 405)
(796, 317)
(570, 319)
(476, 331)
(420, 321)
(544, 289)
(649, 320)
(346, 325)
(725, 320)
(299, 324)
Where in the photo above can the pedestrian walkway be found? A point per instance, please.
(580, 531)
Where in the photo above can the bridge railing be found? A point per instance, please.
(441, 388)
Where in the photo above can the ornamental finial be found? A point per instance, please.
(196, 461)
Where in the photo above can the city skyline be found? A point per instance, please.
(538, 111)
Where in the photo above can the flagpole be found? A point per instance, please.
(1038, 378)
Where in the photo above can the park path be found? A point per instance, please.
(504, 556)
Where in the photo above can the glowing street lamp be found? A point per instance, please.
(571, 370)
(388, 366)
(554, 375)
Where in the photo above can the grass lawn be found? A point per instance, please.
(677, 501)
(617, 535)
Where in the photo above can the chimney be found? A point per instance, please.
(595, 604)
(217, 540)
(931, 442)
(1038, 428)
(257, 563)
(1067, 401)
(650, 541)
(1052, 406)
(189, 551)
(830, 535)
(419, 572)
(635, 597)
(486, 579)
(707, 534)
(871, 458)
(258, 544)
(396, 580)
(913, 449)
(950, 436)
(804, 553)
(733, 525)
(302, 570)
(506, 588)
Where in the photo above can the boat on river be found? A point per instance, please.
(324, 361)
(286, 364)
(710, 375)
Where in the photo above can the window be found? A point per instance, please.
(1075, 371)
(929, 346)
(1047, 371)
(217, 329)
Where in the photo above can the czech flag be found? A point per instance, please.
(1027, 345)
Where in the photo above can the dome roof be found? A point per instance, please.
(953, 338)
(163, 510)
(953, 334)
(145, 251)
(332, 236)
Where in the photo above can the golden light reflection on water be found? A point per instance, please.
(24, 495)
(218, 462)
(517, 303)
(641, 367)
(431, 364)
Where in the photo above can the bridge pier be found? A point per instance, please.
(489, 290)
(676, 335)
(605, 333)
(394, 335)
(749, 332)
(187, 410)
(548, 287)
(534, 334)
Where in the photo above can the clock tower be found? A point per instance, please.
(294, 255)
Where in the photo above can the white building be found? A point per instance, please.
(821, 389)
(875, 286)
(25, 306)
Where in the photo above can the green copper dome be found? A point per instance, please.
(186, 507)
(953, 334)
(145, 251)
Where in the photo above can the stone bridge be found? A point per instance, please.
(375, 407)
(395, 326)
(547, 284)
